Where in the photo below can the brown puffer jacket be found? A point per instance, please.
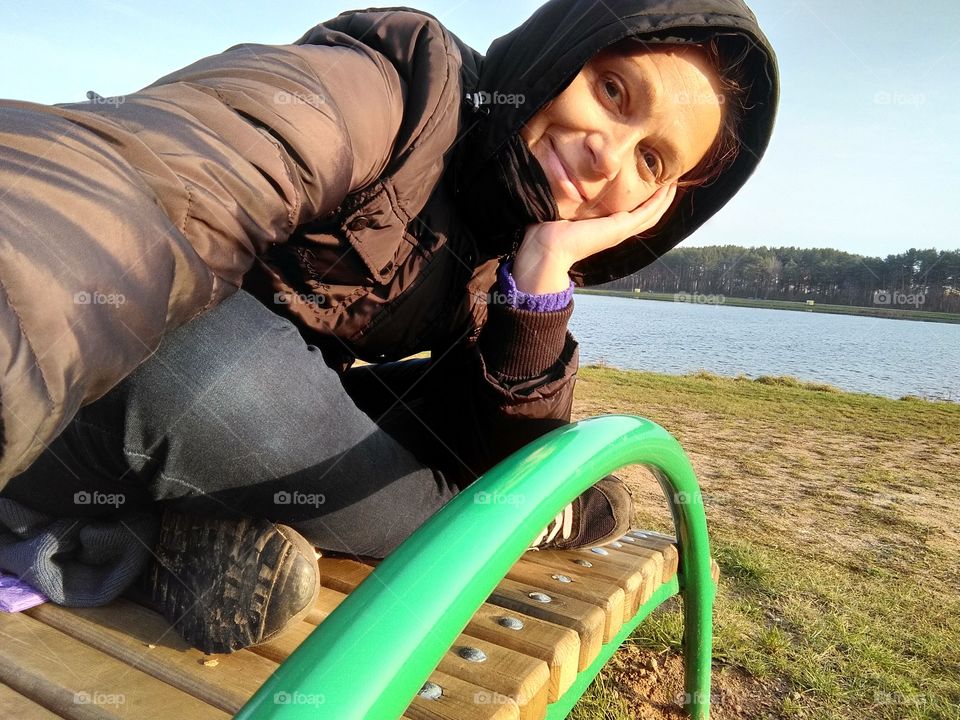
(316, 176)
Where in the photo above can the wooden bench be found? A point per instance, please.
(527, 650)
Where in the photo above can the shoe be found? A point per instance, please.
(600, 515)
(226, 584)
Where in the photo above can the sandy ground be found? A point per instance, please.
(857, 494)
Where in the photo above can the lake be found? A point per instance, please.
(862, 354)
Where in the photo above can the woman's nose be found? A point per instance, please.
(610, 150)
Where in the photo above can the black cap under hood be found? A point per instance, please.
(501, 186)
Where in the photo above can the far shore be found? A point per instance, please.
(879, 311)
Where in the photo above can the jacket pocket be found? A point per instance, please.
(376, 230)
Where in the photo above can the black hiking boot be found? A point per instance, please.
(226, 584)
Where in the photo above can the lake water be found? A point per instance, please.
(861, 354)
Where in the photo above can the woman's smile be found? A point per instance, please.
(562, 178)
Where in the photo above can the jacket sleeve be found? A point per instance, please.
(125, 217)
(472, 404)
(260, 139)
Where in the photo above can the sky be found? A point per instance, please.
(865, 156)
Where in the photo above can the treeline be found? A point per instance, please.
(920, 279)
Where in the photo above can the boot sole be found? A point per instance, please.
(227, 584)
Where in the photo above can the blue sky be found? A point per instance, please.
(865, 157)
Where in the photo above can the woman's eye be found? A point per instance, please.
(612, 90)
(651, 160)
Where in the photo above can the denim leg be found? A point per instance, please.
(236, 415)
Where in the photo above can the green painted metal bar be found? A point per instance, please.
(562, 707)
(696, 587)
(371, 655)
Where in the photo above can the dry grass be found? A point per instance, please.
(835, 518)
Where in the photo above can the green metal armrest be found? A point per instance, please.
(375, 651)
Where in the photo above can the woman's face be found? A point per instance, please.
(626, 124)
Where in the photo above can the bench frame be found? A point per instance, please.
(375, 651)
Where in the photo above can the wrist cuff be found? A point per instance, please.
(522, 344)
(542, 302)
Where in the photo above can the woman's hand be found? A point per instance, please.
(549, 249)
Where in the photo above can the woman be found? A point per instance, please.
(377, 189)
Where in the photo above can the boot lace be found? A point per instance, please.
(562, 525)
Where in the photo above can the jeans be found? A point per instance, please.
(236, 416)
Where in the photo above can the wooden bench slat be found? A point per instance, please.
(327, 602)
(80, 683)
(15, 706)
(282, 647)
(651, 539)
(459, 701)
(646, 542)
(655, 564)
(585, 619)
(342, 574)
(652, 536)
(650, 567)
(557, 646)
(504, 673)
(627, 573)
(602, 593)
(143, 639)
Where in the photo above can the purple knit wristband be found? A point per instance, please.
(544, 302)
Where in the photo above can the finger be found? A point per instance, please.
(655, 197)
(662, 197)
(653, 209)
(596, 234)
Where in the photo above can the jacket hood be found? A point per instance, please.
(543, 55)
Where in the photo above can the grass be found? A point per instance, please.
(872, 311)
(835, 519)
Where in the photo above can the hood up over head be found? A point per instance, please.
(500, 187)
